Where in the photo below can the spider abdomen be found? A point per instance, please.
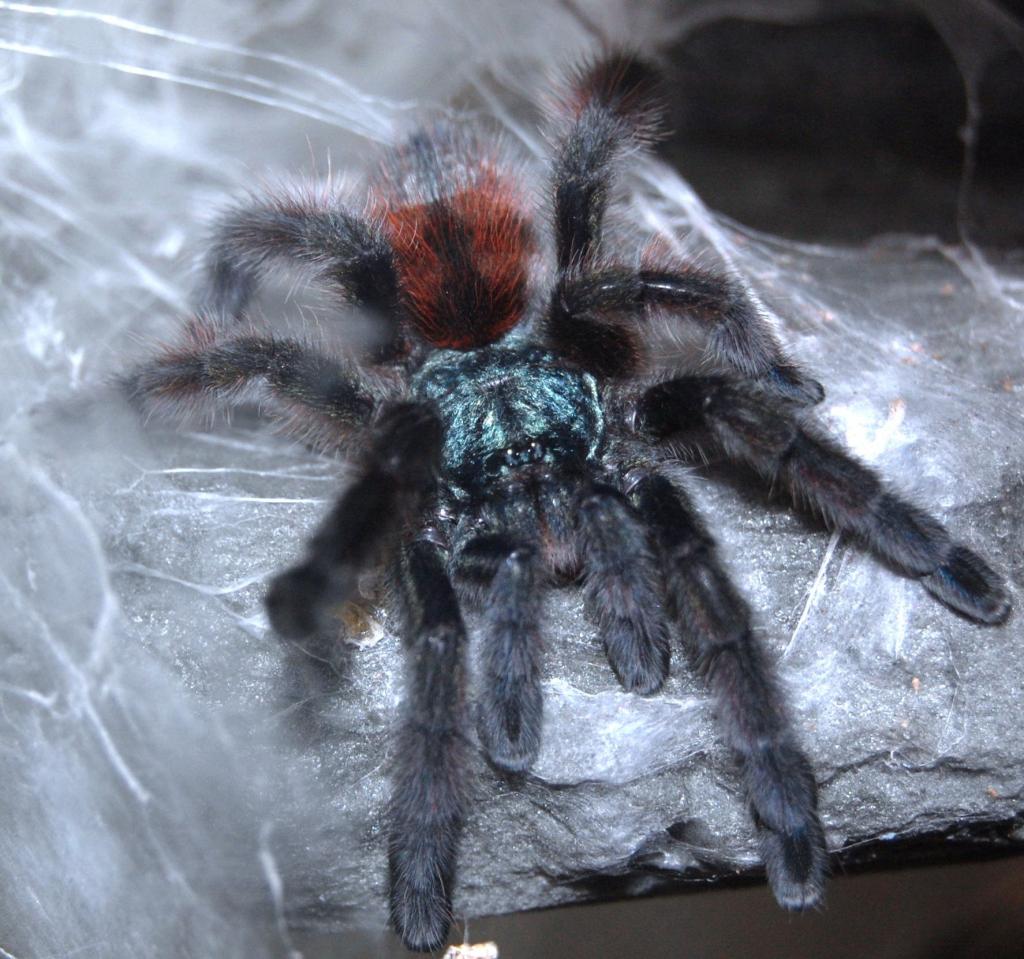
(458, 222)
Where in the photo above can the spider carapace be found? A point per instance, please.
(511, 433)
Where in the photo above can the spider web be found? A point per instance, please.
(173, 781)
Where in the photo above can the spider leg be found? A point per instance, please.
(715, 623)
(501, 572)
(305, 229)
(315, 395)
(585, 323)
(398, 473)
(783, 444)
(609, 108)
(429, 798)
(622, 589)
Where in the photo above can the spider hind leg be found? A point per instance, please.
(317, 397)
(596, 319)
(304, 228)
(609, 107)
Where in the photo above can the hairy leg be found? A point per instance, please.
(397, 475)
(319, 397)
(500, 573)
(609, 107)
(304, 229)
(429, 798)
(622, 588)
(592, 320)
(783, 445)
(715, 623)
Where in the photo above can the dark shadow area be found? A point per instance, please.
(935, 912)
(850, 125)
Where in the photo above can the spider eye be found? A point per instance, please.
(494, 463)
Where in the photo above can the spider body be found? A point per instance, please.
(504, 409)
(506, 443)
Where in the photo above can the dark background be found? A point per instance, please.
(854, 124)
(966, 911)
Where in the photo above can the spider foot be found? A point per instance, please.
(511, 707)
(621, 586)
(422, 920)
(796, 863)
(294, 601)
(640, 663)
(421, 910)
(509, 724)
(969, 585)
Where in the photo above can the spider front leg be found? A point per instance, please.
(592, 320)
(622, 588)
(429, 798)
(715, 623)
(398, 474)
(784, 445)
(500, 573)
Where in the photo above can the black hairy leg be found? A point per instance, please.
(318, 397)
(429, 797)
(715, 624)
(610, 106)
(501, 575)
(592, 320)
(306, 229)
(622, 588)
(397, 475)
(786, 447)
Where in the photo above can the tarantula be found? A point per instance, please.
(508, 442)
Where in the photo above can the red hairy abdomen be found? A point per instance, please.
(463, 262)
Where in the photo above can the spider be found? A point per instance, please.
(511, 436)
